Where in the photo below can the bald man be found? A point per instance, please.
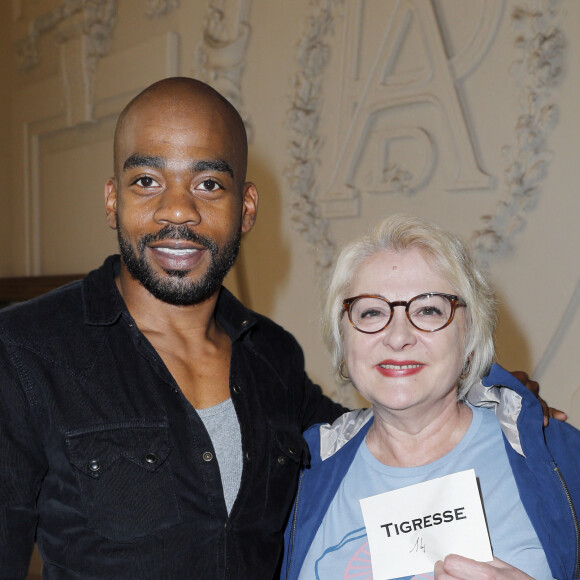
(150, 425)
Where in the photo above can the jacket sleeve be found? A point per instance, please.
(317, 407)
(22, 467)
(285, 359)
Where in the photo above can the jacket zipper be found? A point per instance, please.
(294, 518)
(574, 517)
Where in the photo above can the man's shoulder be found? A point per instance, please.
(262, 330)
(269, 326)
(54, 311)
(273, 340)
(61, 315)
(53, 303)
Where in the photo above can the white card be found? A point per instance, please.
(409, 529)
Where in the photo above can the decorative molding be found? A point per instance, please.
(559, 334)
(98, 21)
(80, 67)
(372, 100)
(83, 29)
(220, 57)
(392, 177)
(469, 58)
(157, 8)
(16, 10)
(538, 71)
(304, 119)
(26, 54)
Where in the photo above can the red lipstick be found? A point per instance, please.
(399, 368)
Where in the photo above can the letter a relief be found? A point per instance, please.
(384, 96)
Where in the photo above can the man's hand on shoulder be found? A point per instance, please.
(549, 412)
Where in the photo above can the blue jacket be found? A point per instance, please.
(545, 463)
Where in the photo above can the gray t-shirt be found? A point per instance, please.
(223, 427)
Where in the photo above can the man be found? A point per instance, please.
(150, 425)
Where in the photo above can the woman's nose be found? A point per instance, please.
(400, 332)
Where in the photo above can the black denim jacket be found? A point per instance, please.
(101, 463)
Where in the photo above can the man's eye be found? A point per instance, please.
(209, 185)
(145, 181)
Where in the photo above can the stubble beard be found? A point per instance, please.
(175, 287)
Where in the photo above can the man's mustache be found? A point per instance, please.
(172, 232)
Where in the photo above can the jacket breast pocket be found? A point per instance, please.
(125, 478)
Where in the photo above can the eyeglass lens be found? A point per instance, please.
(427, 312)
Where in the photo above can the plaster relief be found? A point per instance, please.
(220, 57)
(406, 71)
(156, 8)
(401, 118)
(83, 30)
(538, 71)
(394, 84)
(394, 176)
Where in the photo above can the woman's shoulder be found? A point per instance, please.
(331, 438)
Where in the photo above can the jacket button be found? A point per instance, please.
(245, 323)
(151, 458)
(207, 456)
(282, 460)
(292, 450)
(94, 465)
(247, 456)
(236, 389)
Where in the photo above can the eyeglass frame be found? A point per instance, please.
(455, 301)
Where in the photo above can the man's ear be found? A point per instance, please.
(111, 202)
(250, 207)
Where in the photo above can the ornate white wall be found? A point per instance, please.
(461, 111)
(465, 112)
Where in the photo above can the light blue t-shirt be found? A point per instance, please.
(340, 549)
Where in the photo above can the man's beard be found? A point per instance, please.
(175, 288)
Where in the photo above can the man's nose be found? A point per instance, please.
(178, 205)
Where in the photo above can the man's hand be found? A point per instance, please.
(459, 568)
(535, 388)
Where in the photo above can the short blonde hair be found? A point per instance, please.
(451, 258)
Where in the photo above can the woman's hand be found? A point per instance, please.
(459, 568)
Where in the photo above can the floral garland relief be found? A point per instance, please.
(303, 119)
(541, 44)
(537, 72)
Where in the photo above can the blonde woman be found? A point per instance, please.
(410, 321)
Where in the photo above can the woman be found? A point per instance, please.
(410, 322)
